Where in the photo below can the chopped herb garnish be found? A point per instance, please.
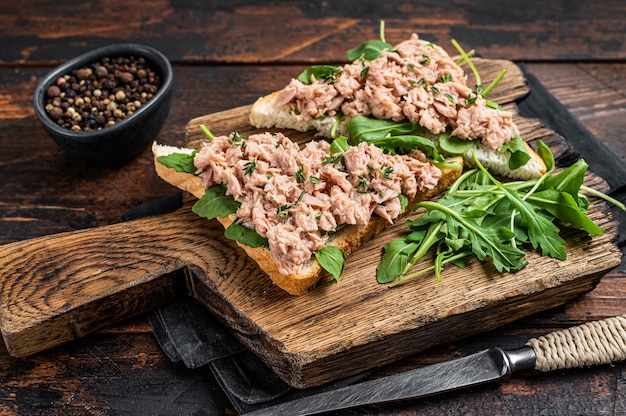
(425, 59)
(299, 198)
(450, 98)
(471, 99)
(282, 210)
(362, 185)
(299, 175)
(250, 166)
(333, 160)
(445, 78)
(386, 170)
(314, 179)
(235, 139)
(364, 71)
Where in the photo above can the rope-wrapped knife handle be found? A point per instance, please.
(597, 342)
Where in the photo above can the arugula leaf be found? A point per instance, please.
(365, 129)
(320, 73)
(468, 61)
(484, 218)
(569, 180)
(483, 244)
(404, 202)
(545, 154)
(244, 235)
(208, 133)
(215, 203)
(396, 255)
(332, 259)
(407, 143)
(368, 50)
(453, 145)
(563, 207)
(495, 82)
(392, 136)
(339, 145)
(541, 231)
(182, 162)
(519, 152)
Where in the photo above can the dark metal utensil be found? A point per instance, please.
(599, 342)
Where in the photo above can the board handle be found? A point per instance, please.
(597, 342)
(57, 288)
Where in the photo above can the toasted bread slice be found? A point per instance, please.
(348, 238)
(266, 113)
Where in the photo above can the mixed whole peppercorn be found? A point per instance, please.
(101, 94)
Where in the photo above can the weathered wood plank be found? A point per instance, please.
(594, 94)
(46, 32)
(71, 284)
(307, 31)
(113, 373)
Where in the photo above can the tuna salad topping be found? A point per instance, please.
(296, 196)
(417, 81)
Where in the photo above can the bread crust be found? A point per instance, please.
(348, 238)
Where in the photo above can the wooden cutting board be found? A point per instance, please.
(58, 288)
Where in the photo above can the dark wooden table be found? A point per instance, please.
(226, 54)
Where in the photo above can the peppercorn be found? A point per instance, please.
(101, 94)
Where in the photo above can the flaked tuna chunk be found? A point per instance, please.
(350, 80)
(417, 81)
(495, 127)
(311, 100)
(295, 197)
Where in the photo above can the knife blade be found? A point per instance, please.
(598, 342)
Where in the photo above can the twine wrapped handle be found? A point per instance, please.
(598, 342)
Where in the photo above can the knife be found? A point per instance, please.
(597, 342)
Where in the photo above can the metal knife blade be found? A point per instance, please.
(479, 368)
(597, 342)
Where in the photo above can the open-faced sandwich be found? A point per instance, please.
(398, 123)
(414, 87)
(299, 211)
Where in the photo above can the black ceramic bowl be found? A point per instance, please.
(125, 139)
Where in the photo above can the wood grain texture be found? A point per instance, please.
(58, 288)
(218, 50)
(218, 32)
(594, 93)
(344, 344)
